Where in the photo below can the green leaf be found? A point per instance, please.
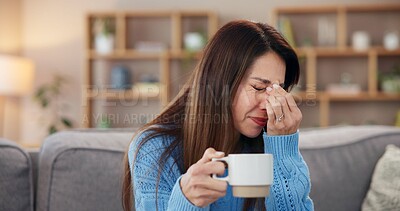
(44, 102)
(52, 129)
(46, 97)
(40, 92)
(66, 122)
(55, 89)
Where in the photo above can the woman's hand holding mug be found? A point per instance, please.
(198, 186)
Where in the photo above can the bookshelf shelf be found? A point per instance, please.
(323, 61)
(363, 96)
(122, 95)
(147, 43)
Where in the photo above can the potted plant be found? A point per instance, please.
(390, 82)
(194, 42)
(48, 97)
(104, 35)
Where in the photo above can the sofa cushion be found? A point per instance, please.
(81, 171)
(16, 188)
(341, 161)
(384, 192)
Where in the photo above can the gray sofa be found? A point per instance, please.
(16, 179)
(341, 161)
(81, 170)
(74, 170)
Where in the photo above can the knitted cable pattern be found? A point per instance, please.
(289, 191)
(291, 185)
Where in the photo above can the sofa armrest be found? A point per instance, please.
(341, 161)
(82, 170)
(16, 188)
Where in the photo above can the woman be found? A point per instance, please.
(236, 101)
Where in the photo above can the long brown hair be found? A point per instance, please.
(201, 115)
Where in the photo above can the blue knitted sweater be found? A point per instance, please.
(289, 191)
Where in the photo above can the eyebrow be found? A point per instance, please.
(265, 81)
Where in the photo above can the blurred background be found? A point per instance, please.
(116, 63)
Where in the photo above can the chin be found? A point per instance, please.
(253, 133)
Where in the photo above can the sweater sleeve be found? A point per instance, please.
(144, 170)
(291, 185)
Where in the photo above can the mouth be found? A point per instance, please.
(259, 121)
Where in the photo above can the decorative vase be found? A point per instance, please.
(194, 41)
(120, 78)
(391, 41)
(104, 44)
(361, 41)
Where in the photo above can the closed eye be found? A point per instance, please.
(258, 88)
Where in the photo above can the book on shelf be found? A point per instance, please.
(148, 88)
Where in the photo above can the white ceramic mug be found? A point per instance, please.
(250, 175)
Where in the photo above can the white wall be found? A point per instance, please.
(10, 26)
(10, 44)
(53, 36)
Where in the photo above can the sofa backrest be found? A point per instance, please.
(341, 161)
(81, 171)
(16, 182)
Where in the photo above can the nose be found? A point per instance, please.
(262, 98)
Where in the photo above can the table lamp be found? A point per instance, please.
(16, 77)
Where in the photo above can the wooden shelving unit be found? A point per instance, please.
(343, 19)
(131, 27)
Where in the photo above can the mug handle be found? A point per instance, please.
(226, 160)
